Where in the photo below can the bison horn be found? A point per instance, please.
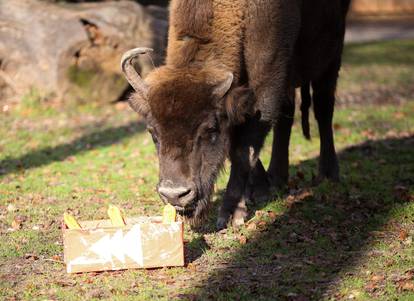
(131, 74)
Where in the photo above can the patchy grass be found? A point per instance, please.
(379, 72)
(351, 240)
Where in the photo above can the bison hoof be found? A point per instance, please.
(239, 217)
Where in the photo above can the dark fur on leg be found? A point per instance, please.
(304, 107)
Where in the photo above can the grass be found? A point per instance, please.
(351, 240)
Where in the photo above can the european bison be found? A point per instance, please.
(230, 76)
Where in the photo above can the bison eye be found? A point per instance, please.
(213, 137)
(155, 139)
(212, 134)
(153, 135)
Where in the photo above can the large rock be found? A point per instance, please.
(73, 51)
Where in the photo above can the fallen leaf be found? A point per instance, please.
(377, 278)
(63, 282)
(97, 293)
(405, 286)
(399, 115)
(31, 256)
(389, 262)
(304, 194)
(56, 257)
(262, 225)
(408, 241)
(191, 266)
(272, 215)
(403, 235)
(252, 226)
(18, 221)
(278, 256)
(356, 164)
(242, 239)
(11, 208)
(259, 213)
(371, 286)
(290, 200)
(370, 134)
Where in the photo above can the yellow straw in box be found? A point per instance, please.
(116, 217)
(169, 214)
(70, 221)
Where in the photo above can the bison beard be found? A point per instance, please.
(230, 77)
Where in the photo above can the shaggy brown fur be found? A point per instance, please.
(167, 107)
(206, 31)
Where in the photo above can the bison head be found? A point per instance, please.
(189, 112)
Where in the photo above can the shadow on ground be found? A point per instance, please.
(93, 140)
(320, 236)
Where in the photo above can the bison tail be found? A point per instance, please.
(304, 107)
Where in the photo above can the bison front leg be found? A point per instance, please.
(246, 141)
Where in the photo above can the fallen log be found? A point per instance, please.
(72, 51)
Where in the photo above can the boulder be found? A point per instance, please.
(73, 51)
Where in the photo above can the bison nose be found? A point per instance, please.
(177, 196)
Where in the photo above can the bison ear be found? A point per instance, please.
(139, 104)
(239, 105)
(224, 85)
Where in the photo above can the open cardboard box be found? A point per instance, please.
(145, 242)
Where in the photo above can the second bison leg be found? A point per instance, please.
(258, 187)
(246, 141)
(324, 100)
(279, 163)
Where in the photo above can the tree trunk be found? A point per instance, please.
(73, 51)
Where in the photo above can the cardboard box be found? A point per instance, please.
(145, 242)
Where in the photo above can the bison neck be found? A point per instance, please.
(206, 32)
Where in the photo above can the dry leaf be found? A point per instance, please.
(406, 286)
(11, 208)
(252, 226)
(304, 194)
(31, 256)
(290, 200)
(191, 266)
(371, 286)
(16, 225)
(272, 215)
(259, 213)
(242, 239)
(56, 257)
(399, 115)
(377, 278)
(403, 234)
